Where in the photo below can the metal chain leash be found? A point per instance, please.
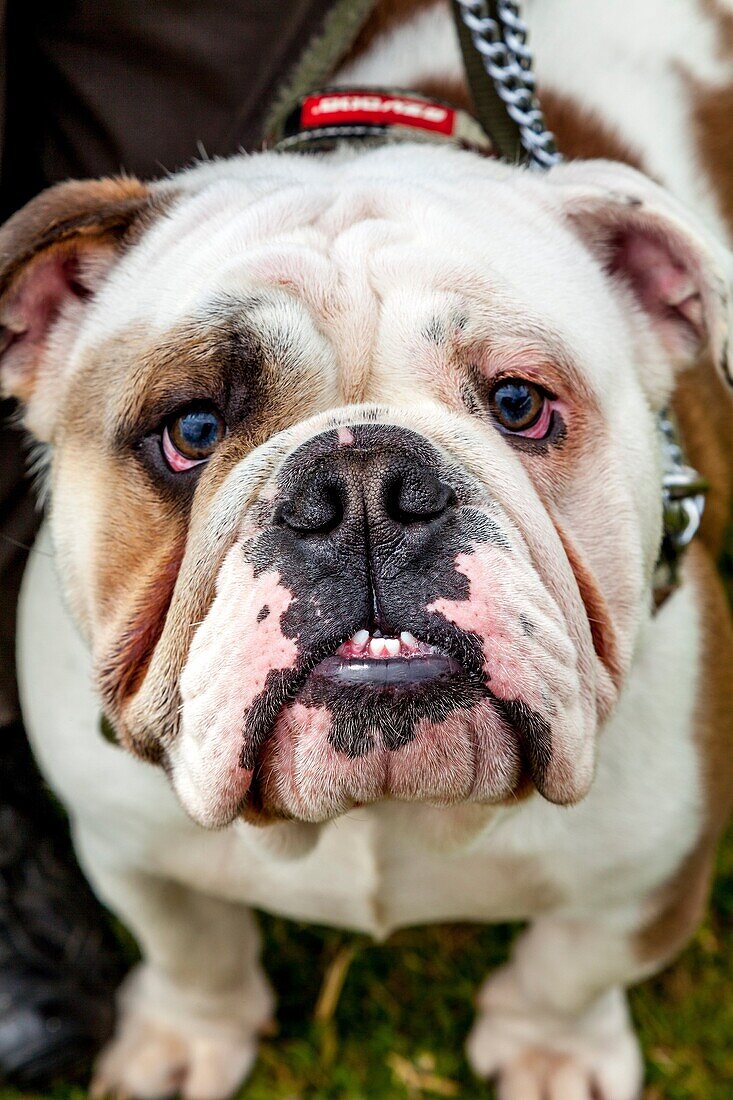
(499, 34)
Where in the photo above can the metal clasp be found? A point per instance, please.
(683, 504)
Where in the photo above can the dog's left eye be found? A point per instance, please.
(192, 435)
(521, 407)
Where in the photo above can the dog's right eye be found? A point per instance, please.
(191, 436)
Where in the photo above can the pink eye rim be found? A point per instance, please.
(177, 462)
(191, 435)
(542, 425)
(522, 408)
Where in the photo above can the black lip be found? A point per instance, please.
(388, 673)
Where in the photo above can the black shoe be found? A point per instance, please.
(59, 961)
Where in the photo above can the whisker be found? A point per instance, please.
(32, 548)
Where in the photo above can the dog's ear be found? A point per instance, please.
(54, 254)
(680, 276)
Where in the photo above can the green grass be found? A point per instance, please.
(396, 1031)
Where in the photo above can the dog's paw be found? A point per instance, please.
(171, 1041)
(149, 1060)
(542, 1056)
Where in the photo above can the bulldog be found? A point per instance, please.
(355, 503)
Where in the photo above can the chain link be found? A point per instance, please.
(507, 59)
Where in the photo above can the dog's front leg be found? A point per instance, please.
(191, 1011)
(553, 1022)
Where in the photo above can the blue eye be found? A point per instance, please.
(516, 404)
(193, 435)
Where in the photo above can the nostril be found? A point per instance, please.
(417, 496)
(318, 510)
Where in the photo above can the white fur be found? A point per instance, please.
(424, 46)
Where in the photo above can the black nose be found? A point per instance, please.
(378, 492)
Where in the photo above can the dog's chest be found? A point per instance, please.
(377, 870)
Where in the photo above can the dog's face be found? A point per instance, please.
(355, 482)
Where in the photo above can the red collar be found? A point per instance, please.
(323, 119)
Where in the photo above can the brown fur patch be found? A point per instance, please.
(680, 904)
(580, 132)
(123, 670)
(701, 407)
(714, 715)
(681, 907)
(712, 114)
(714, 9)
(450, 91)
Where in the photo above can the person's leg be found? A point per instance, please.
(59, 964)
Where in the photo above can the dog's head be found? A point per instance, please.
(354, 465)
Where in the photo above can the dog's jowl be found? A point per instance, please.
(355, 487)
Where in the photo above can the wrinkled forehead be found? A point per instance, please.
(370, 249)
